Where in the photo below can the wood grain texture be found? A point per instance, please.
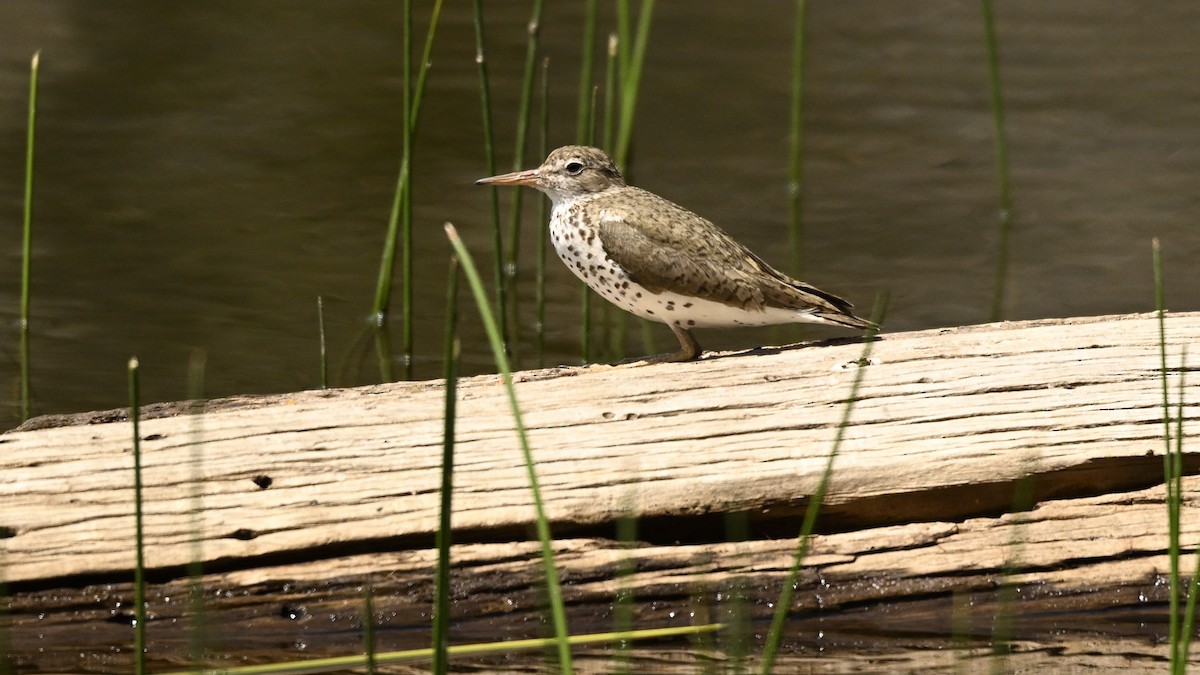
(307, 497)
(948, 420)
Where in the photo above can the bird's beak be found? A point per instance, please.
(529, 178)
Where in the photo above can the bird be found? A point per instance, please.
(661, 262)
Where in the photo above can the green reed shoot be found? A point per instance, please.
(489, 151)
(616, 336)
(585, 115)
(784, 603)
(553, 590)
(1183, 646)
(627, 527)
(611, 73)
(139, 569)
(796, 144)
(321, 340)
(368, 624)
(504, 647)
(1002, 172)
(198, 628)
(1006, 593)
(585, 134)
(441, 586)
(630, 63)
(1189, 612)
(1172, 471)
(523, 113)
(401, 212)
(27, 239)
(539, 300)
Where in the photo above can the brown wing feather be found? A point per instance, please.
(672, 249)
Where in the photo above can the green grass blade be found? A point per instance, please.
(1002, 172)
(796, 144)
(139, 569)
(441, 592)
(631, 78)
(553, 591)
(1170, 483)
(1189, 611)
(1172, 469)
(503, 647)
(324, 365)
(27, 240)
(401, 196)
(406, 233)
(784, 604)
(611, 75)
(198, 625)
(489, 151)
(512, 265)
(368, 624)
(539, 299)
(586, 119)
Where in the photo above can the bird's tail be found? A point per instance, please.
(847, 320)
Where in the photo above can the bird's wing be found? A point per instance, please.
(670, 248)
(661, 255)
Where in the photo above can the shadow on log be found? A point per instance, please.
(310, 496)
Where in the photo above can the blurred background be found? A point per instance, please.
(205, 170)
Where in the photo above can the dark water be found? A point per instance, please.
(206, 170)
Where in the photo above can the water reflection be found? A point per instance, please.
(205, 171)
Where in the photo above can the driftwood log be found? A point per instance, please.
(1008, 470)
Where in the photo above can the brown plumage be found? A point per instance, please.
(660, 261)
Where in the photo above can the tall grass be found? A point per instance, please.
(139, 569)
(512, 264)
(539, 300)
(796, 144)
(368, 626)
(321, 347)
(27, 239)
(1006, 592)
(1005, 212)
(489, 152)
(400, 217)
(1180, 625)
(784, 603)
(553, 590)
(441, 594)
(198, 626)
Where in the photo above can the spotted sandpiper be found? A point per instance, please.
(657, 260)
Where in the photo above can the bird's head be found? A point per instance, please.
(570, 172)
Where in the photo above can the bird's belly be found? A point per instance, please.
(580, 251)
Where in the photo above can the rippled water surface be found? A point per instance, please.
(206, 170)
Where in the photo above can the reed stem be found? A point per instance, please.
(368, 624)
(1002, 173)
(539, 300)
(585, 115)
(631, 65)
(412, 114)
(512, 265)
(441, 593)
(27, 240)
(489, 151)
(796, 143)
(139, 569)
(324, 365)
(784, 604)
(553, 590)
(198, 625)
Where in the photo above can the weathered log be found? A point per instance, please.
(951, 427)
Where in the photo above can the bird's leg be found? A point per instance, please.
(689, 348)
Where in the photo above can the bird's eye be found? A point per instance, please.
(574, 168)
